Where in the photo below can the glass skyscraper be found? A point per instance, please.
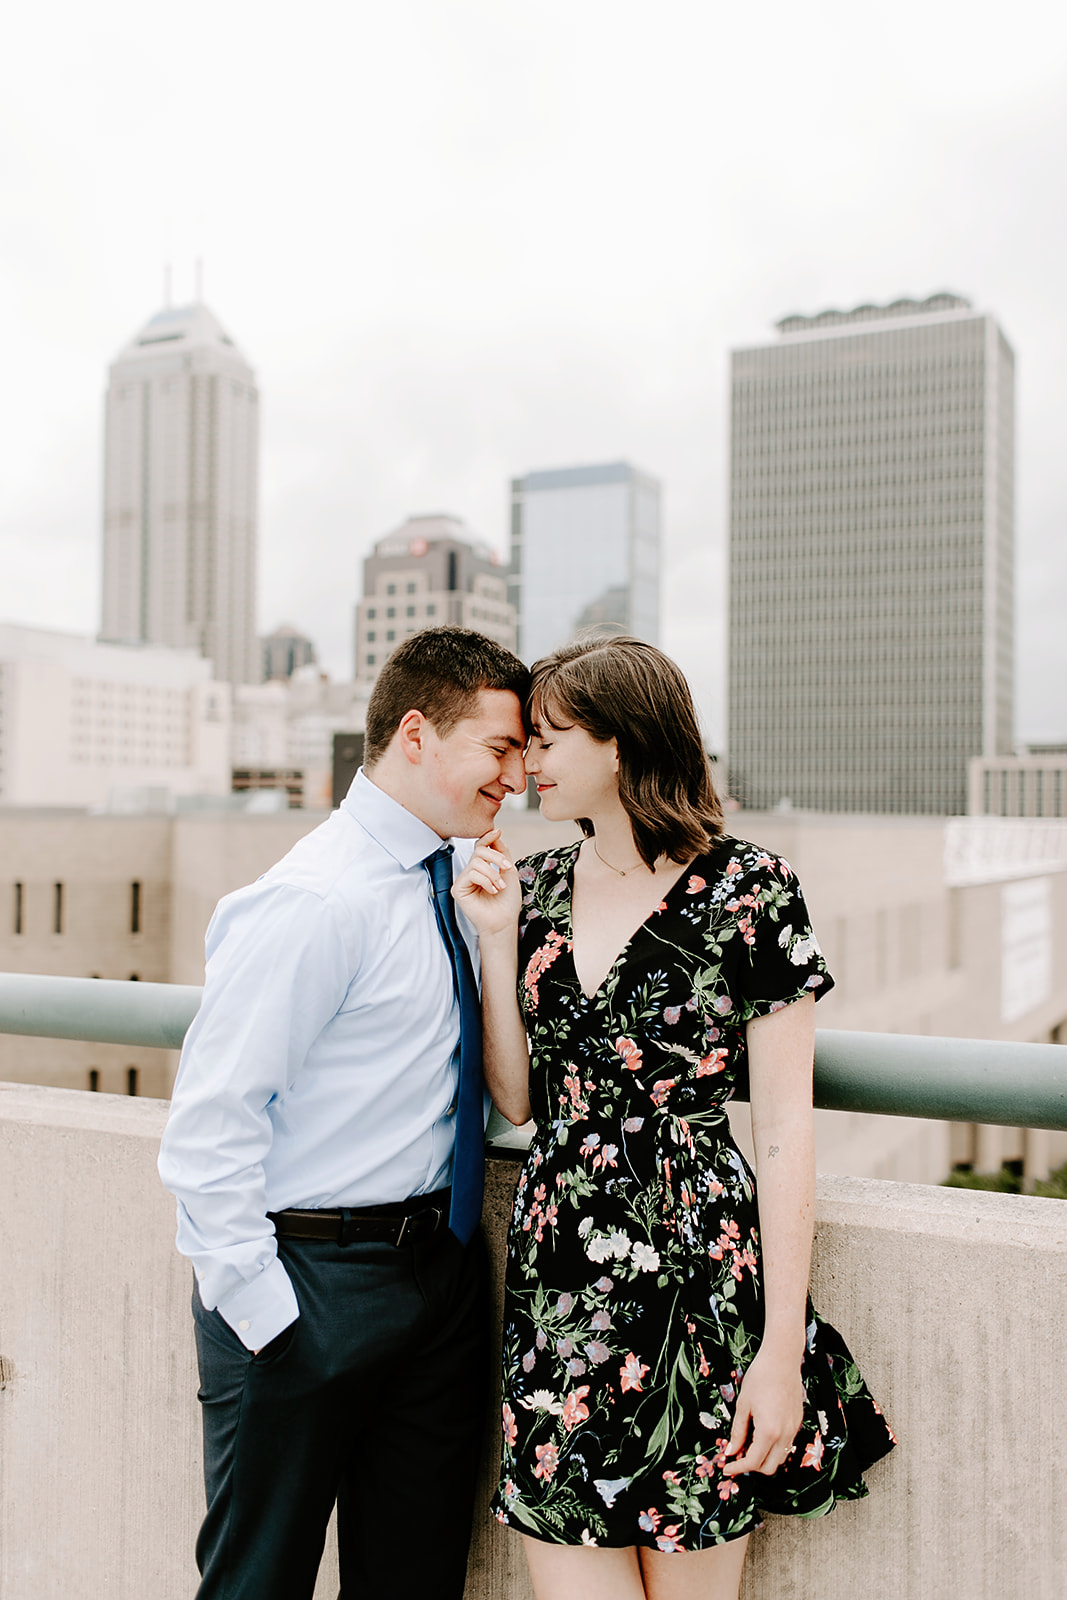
(871, 558)
(584, 554)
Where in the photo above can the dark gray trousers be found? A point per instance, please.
(374, 1398)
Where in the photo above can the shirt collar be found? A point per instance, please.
(407, 839)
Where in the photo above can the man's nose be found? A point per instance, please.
(513, 776)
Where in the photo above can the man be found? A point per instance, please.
(324, 1085)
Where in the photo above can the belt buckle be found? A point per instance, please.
(416, 1217)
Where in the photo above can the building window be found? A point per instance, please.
(131, 1080)
(390, 588)
(18, 908)
(411, 588)
(370, 661)
(57, 913)
(390, 635)
(371, 613)
(371, 636)
(410, 611)
(390, 611)
(135, 908)
(431, 611)
(94, 1080)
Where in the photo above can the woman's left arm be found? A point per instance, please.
(770, 1402)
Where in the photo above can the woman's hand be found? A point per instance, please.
(488, 889)
(770, 1410)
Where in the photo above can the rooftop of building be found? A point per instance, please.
(579, 477)
(904, 307)
(415, 536)
(174, 326)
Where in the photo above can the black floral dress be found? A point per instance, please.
(633, 1302)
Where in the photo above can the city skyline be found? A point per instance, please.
(524, 272)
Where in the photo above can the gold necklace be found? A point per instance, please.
(622, 871)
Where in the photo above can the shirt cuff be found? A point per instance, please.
(262, 1308)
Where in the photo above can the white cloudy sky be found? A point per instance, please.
(459, 239)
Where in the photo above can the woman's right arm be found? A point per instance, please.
(491, 896)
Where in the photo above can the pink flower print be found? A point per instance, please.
(601, 1321)
(574, 1408)
(730, 1231)
(631, 1372)
(744, 926)
(704, 1368)
(695, 885)
(715, 1188)
(589, 1144)
(668, 1541)
(709, 1065)
(733, 868)
(727, 1391)
(604, 1286)
(606, 1157)
(575, 1367)
(564, 1347)
(565, 1304)
(671, 1014)
(704, 1467)
(540, 1339)
(722, 1004)
(538, 964)
(650, 1520)
(528, 1360)
(547, 1461)
(727, 1487)
(526, 875)
(597, 1351)
(629, 1052)
(662, 906)
(764, 860)
(672, 1477)
(633, 1125)
(662, 1089)
(511, 1433)
(814, 1453)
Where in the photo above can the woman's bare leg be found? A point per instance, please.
(713, 1574)
(580, 1572)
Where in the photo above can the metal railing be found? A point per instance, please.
(901, 1075)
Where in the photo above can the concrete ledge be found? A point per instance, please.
(953, 1302)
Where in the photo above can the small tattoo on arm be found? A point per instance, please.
(773, 1151)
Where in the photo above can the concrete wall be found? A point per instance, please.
(954, 1304)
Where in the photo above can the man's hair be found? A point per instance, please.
(439, 672)
(623, 689)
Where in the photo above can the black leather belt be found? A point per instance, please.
(397, 1223)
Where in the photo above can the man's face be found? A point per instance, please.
(469, 771)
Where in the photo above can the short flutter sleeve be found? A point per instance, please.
(781, 962)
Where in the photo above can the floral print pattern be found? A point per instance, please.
(634, 1301)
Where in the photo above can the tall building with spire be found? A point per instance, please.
(180, 493)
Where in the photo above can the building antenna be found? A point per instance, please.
(199, 281)
(166, 285)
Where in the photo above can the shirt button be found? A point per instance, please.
(244, 1326)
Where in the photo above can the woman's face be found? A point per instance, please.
(576, 775)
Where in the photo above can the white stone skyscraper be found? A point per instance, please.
(871, 558)
(180, 493)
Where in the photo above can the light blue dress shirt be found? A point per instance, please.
(322, 1067)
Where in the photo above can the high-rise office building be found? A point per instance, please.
(871, 548)
(584, 554)
(427, 573)
(180, 494)
(284, 651)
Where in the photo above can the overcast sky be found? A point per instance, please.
(460, 239)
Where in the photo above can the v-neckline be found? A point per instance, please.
(656, 909)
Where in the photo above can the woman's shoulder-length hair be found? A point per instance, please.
(621, 688)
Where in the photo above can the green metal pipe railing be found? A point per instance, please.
(900, 1075)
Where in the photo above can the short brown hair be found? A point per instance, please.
(439, 672)
(623, 689)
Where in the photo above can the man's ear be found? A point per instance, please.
(410, 736)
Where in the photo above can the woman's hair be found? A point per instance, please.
(623, 689)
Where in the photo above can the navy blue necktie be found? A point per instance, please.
(468, 1161)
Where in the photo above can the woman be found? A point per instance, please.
(665, 1378)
